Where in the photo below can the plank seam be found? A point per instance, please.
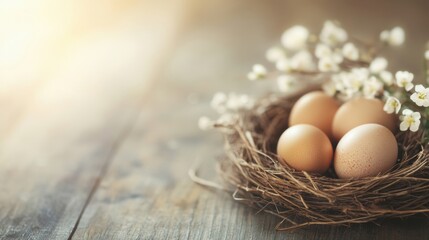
(116, 146)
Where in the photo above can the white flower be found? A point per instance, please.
(372, 87)
(258, 72)
(421, 96)
(283, 65)
(332, 34)
(392, 105)
(322, 50)
(352, 84)
(378, 64)
(223, 103)
(302, 61)
(274, 54)
(295, 38)
(330, 88)
(245, 101)
(218, 102)
(410, 120)
(384, 35)
(328, 64)
(226, 119)
(397, 36)
(362, 73)
(285, 82)
(355, 79)
(394, 37)
(350, 51)
(236, 102)
(252, 76)
(338, 81)
(204, 123)
(387, 77)
(427, 55)
(404, 79)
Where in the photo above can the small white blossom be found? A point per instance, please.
(387, 77)
(330, 88)
(204, 123)
(223, 103)
(410, 120)
(378, 64)
(350, 51)
(252, 76)
(356, 83)
(352, 84)
(355, 79)
(338, 82)
(404, 79)
(372, 87)
(322, 50)
(259, 69)
(302, 61)
(285, 83)
(332, 34)
(397, 36)
(421, 96)
(226, 119)
(245, 101)
(394, 37)
(218, 102)
(384, 35)
(328, 64)
(275, 54)
(362, 73)
(348, 94)
(283, 65)
(427, 55)
(295, 38)
(392, 105)
(337, 56)
(258, 72)
(236, 102)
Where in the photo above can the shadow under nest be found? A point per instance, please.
(300, 199)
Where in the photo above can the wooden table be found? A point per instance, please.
(98, 128)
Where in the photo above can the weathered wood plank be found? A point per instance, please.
(56, 155)
(146, 193)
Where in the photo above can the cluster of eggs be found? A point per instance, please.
(358, 136)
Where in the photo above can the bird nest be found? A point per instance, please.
(299, 198)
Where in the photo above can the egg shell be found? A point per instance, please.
(361, 111)
(365, 151)
(305, 147)
(317, 109)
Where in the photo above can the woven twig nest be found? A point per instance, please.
(301, 199)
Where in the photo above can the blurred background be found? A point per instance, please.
(206, 41)
(196, 41)
(66, 54)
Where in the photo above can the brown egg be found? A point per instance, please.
(364, 151)
(315, 108)
(305, 147)
(361, 111)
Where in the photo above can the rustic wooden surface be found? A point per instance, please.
(100, 148)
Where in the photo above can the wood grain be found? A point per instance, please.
(146, 193)
(53, 160)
